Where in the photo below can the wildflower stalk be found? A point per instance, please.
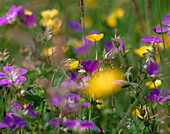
(90, 108)
(96, 50)
(161, 25)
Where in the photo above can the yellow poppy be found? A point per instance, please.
(142, 49)
(73, 64)
(151, 85)
(95, 37)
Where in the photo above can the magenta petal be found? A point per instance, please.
(5, 82)
(166, 20)
(85, 104)
(8, 69)
(75, 26)
(152, 67)
(167, 98)
(168, 34)
(3, 21)
(21, 71)
(2, 75)
(29, 20)
(32, 114)
(3, 125)
(147, 39)
(11, 10)
(20, 79)
(164, 29)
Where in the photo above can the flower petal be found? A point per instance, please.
(164, 29)
(3, 21)
(166, 20)
(5, 82)
(2, 75)
(8, 69)
(152, 67)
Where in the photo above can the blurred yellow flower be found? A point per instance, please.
(77, 43)
(151, 85)
(142, 49)
(50, 20)
(101, 84)
(111, 20)
(91, 3)
(49, 14)
(99, 106)
(88, 22)
(72, 64)
(166, 41)
(95, 37)
(28, 12)
(119, 12)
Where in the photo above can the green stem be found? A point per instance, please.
(90, 109)
(161, 25)
(96, 50)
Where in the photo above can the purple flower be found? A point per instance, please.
(151, 40)
(79, 125)
(71, 103)
(27, 111)
(89, 66)
(55, 100)
(12, 75)
(11, 15)
(165, 21)
(13, 122)
(72, 77)
(108, 46)
(152, 67)
(75, 26)
(157, 96)
(28, 19)
(54, 123)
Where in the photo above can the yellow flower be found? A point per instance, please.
(48, 51)
(73, 64)
(95, 37)
(166, 41)
(119, 12)
(141, 114)
(101, 84)
(77, 43)
(49, 14)
(99, 106)
(88, 22)
(142, 49)
(112, 18)
(91, 4)
(151, 85)
(28, 12)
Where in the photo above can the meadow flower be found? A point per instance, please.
(72, 64)
(152, 67)
(151, 85)
(28, 17)
(165, 21)
(154, 40)
(91, 3)
(54, 123)
(16, 109)
(12, 75)
(142, 49)
(75, 26)
(78, 125)
(95, 37)
(157, 96)
(13, 122)
(102, 83)
(89, 66)
(50, 20)
(71, 103)
(11, 15)
(166, 41)
(141, 113)
(112, 18)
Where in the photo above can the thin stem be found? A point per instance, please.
(161, 25)
(96, 50)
